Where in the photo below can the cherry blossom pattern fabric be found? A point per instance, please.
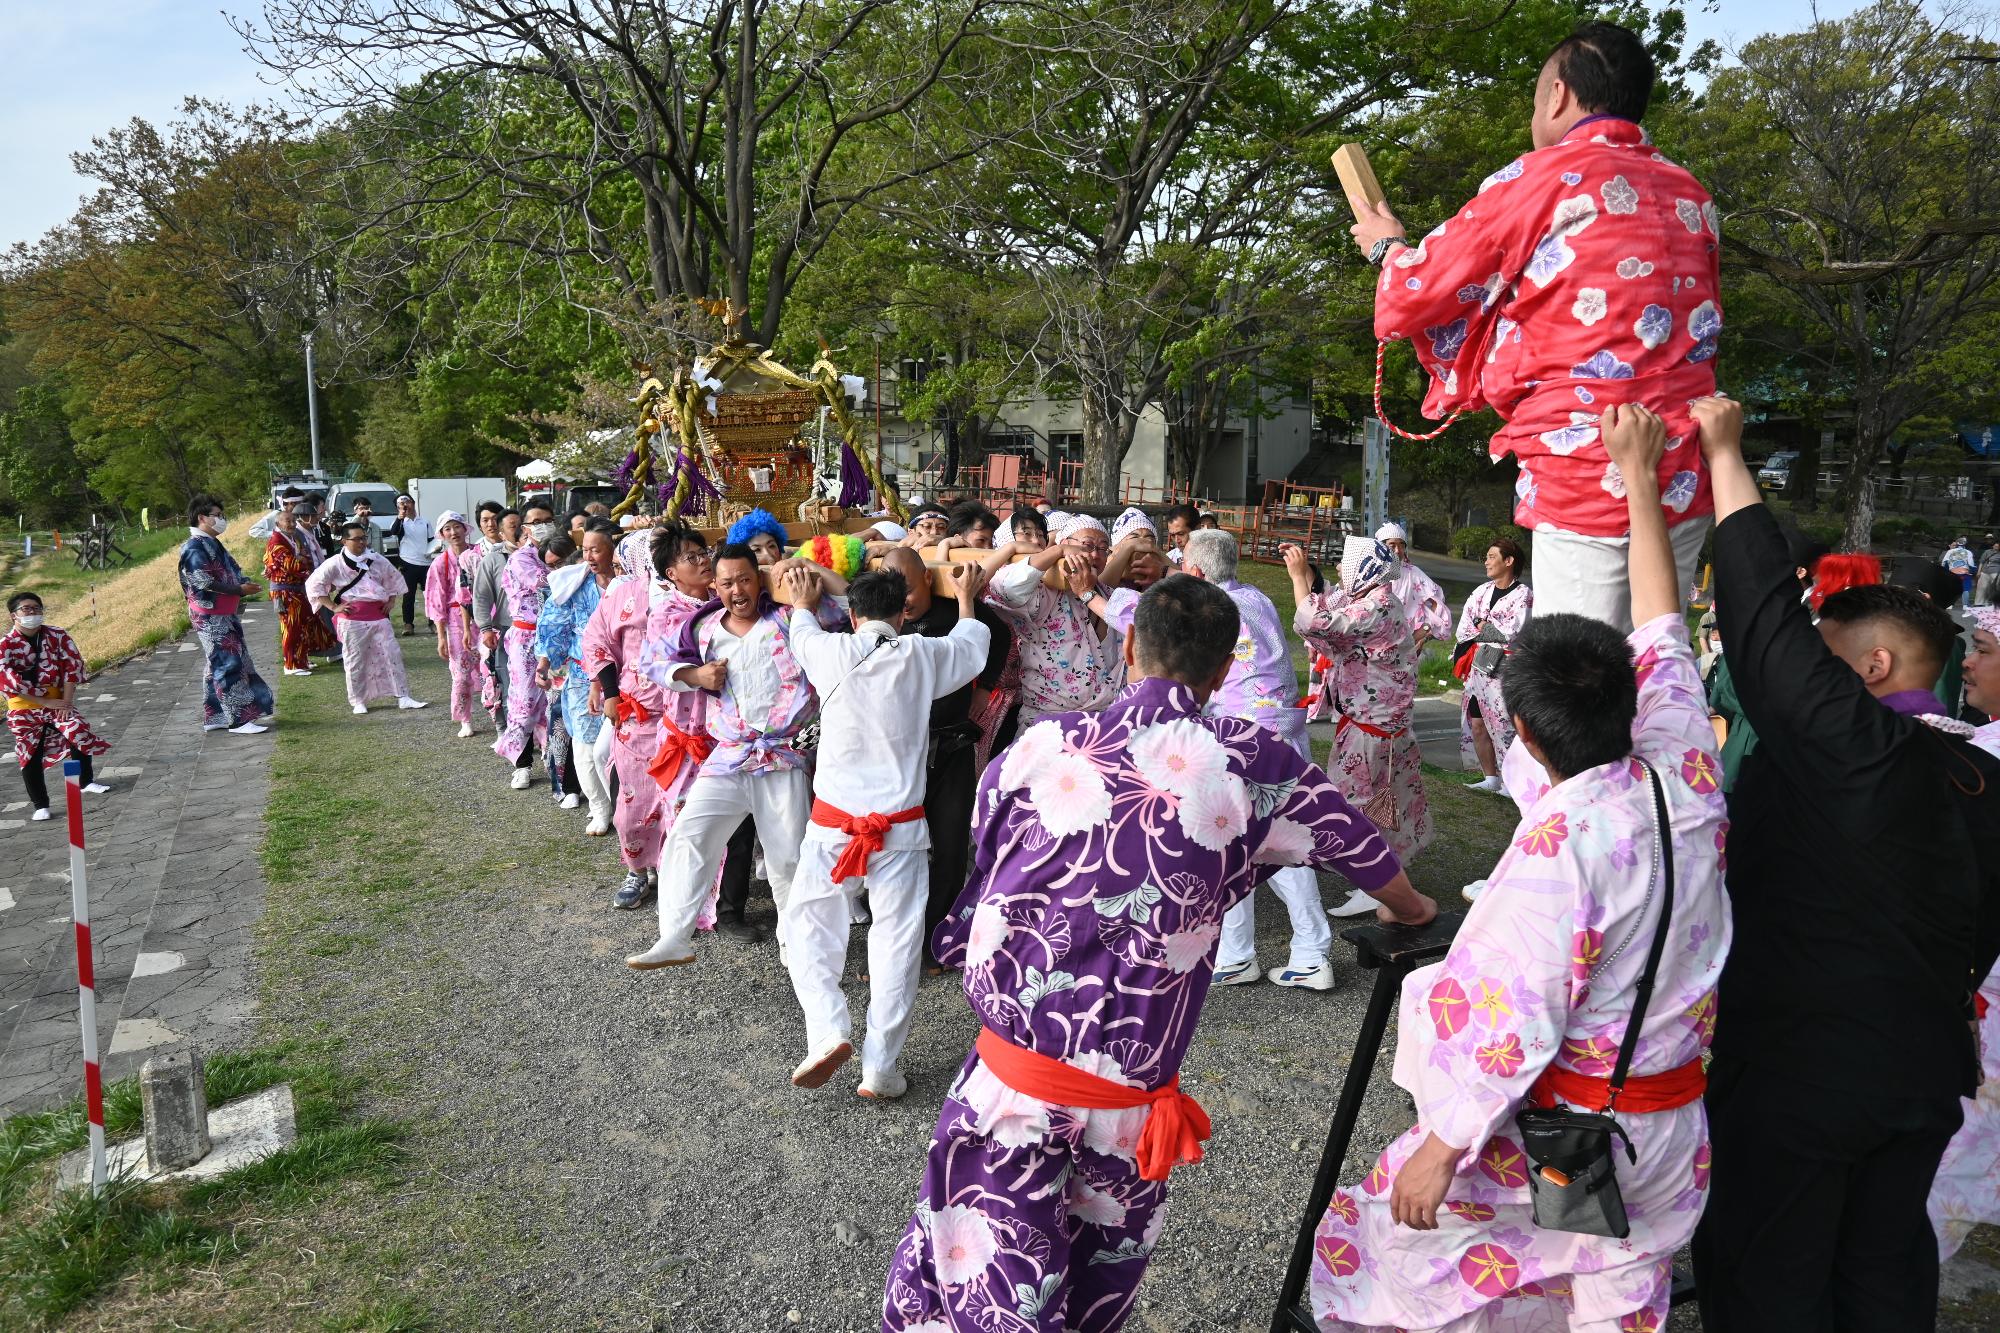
(1262, 685)
(1967, 1189)
(29, 673)
(1581, 275)
(743, 744)
(524, 583)
(1107, 847)
(1543, 972)
(1373, 681)
(1068, 659)
(615, 637)
(1509, 615)
(447, 591)
(1424, 607)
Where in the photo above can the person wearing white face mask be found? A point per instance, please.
(233, 695)
(40, 669)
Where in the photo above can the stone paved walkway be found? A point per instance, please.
(175, 883)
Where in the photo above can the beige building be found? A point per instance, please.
(1252, 448)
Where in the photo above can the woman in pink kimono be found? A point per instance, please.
(1371, 687)
(1496, 612)
(1531, 1003)
(448, 606)
(524, 583)
(639, 606)
(1966, 1191)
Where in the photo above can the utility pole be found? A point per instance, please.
(312, 407)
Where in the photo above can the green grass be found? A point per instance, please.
(55, 574)
(60, 1250)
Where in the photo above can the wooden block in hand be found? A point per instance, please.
(1357, 178)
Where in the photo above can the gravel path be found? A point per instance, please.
(623, 1150)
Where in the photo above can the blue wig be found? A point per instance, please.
(754, 522)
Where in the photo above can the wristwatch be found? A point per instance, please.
(1380, 250)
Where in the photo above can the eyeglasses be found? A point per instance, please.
(1089, 548)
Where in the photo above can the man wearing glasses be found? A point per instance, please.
(1069, 659)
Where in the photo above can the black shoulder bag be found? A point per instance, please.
(1572, 1176)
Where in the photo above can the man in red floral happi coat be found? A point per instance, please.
(1583, 274)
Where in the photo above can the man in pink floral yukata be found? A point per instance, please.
(1107, 848)
(1583, 274)
(1534, 997)
(1069, 659)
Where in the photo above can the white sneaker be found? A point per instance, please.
(407, 702)
(1486, 784)
(1238, 974)
(213, 726)
(884, 1085)
(95, 788)
(1472, 891)
(599, 825)
(519, 782)
(1318, 977)
(1357, 904)
(298, 671)
(571, 801)
(40, 814)
(817, 1068)
(248, 729)
(665, 953)
(464, 730)
(360, 709)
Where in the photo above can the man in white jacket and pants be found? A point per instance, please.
(876, 688)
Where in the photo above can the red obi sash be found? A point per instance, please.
(676, 748)
(864, 835)
(1175, 1123)
(226, 604)
(1642, 1092)
(363, 613)
(1346, 722)
(524, 624)
(626, 710)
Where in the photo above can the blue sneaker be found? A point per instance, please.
(1237, 974)
(1305, 978)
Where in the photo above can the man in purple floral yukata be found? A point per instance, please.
(1107, 848)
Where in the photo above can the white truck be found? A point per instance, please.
(434, 495)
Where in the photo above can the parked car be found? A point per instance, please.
(381, 499)
(1777, 470)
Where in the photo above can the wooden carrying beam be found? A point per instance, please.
(1357, 178)
(942, 582)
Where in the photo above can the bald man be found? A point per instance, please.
(952, 777)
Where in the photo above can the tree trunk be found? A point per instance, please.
(1107, 435)
(948, 476)
(1857, 490)
(1802, 488)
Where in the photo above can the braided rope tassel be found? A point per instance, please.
(1381, 350)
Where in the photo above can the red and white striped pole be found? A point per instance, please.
(86, 984)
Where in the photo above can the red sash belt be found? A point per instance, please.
(363, 613)
(524, 624)
(226, 604)
(1642, 1092)
(1346, 722)
(625, 709)
(1175, 1123)
(864, 835)
(676, 748)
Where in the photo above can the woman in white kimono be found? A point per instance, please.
(1495, 613)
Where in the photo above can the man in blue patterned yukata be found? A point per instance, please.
(1107, 848)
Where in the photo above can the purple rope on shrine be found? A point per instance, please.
(854, 487)
(622, 478)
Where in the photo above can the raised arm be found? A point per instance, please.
(1635, 440)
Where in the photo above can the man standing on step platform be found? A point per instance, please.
(1864, 873)
(1583, 274)
(1108, 845)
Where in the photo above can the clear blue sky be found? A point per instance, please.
(76, 68)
